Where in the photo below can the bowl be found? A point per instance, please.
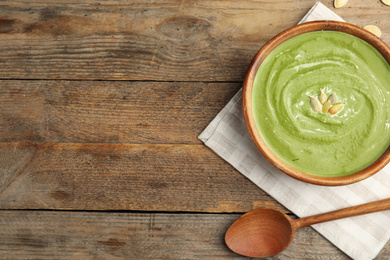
(248, 108)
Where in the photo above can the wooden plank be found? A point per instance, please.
(89, 235)
(109, 112)
(166, 41)
(123, 177)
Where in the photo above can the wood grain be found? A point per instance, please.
(101, 104)
(123, 177)
(165, 41)
(81, 235)
(109, 111)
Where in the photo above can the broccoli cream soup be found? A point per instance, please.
(321, 103)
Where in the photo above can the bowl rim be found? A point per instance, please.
(322, 25)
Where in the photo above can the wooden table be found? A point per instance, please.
(101, 103)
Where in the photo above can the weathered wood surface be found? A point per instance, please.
(109, 111)
(123, 177)
(136, 40)
(101, 103)
(92, 235)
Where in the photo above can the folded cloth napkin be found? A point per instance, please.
(360, 237)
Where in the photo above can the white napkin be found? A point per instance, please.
(360, 237)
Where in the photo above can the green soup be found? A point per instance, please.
(316, 142)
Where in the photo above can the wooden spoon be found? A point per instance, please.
(267, 232)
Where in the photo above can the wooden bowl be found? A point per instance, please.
(248, 110)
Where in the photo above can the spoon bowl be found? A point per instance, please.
(267, 232)
(260, 233)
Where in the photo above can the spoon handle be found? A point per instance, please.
(370, 207)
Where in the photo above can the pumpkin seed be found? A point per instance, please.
(336, 108)
(326, 106)
(386, 2)
(340, 3)
(373, 29)
(322, 97)
(332, 98)
(315, 104)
